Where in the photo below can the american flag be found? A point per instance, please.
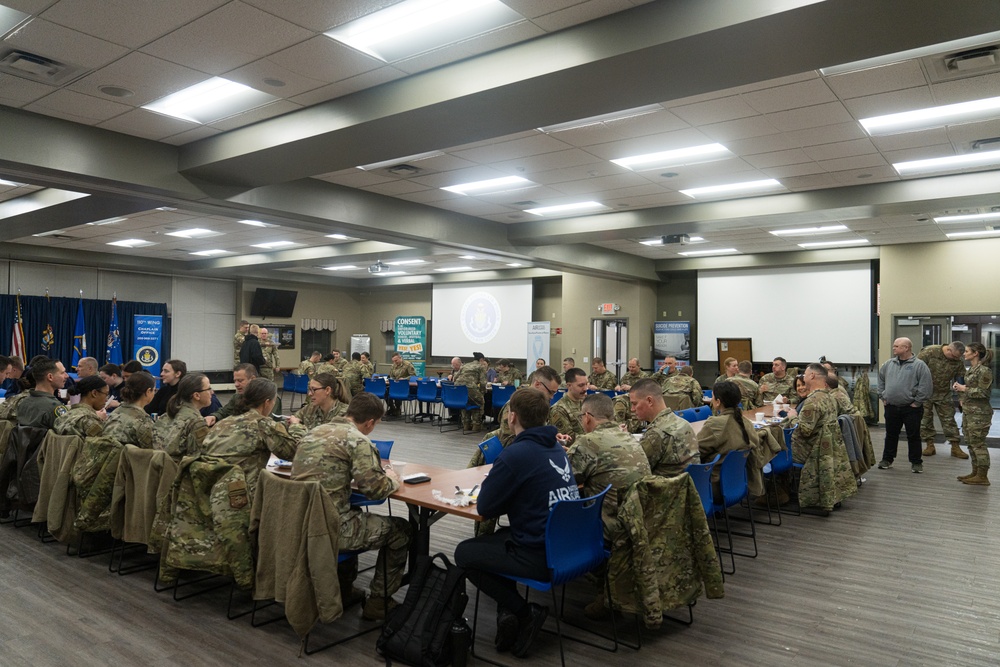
(17, 335)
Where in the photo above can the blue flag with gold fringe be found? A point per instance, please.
(114, 355)
(79, 337)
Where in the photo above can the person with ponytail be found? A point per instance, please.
(328, 399)
(129, 424)
(86, 418)
(248, 438)
(170, 376)
(727, 431)
(181, 431)
(977, 413)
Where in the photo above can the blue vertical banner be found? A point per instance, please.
(114, 352)
(671, 339)
(147, 337)
(79, 337)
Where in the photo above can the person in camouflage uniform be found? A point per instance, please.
(682, 383)
(624, 416)
(635, 373)
(93, 475)
(778, 381)
(242, 375)
(367, 369)
(181, 431)
(8, 409)
(83, 419)
(353, 375)
(473, 376)
(732, 369)
(129, 424)
(840, 397)
(328, 367)
(832, 368)
(945, 362)
(250, 437)
(727, 431)
(239, 339)
(272, 364)
(750, 390)
(826, 478)
(601, 379)
(977, 413)
(40, 408)
(336, 453)
(565, 414)
(545, 380)
(328, 399)
(507, 374)
(309, 366)
(338, 361)
(862, 396)
(669, 441)
(399, 370)
(666, 371)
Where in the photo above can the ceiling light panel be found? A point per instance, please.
(342, 267)
(10, 19)
(107, 221)
(924, 119)
(400, 160)
(578, 207)
(449, 269)
(274, 245)
(831, 244)
(132, 243)
(196, 233)
(704, 253)
(210, 100)
(406, 262)
(388, 273)
(603, 118)
(972, 235)
(255, 223)
(912, 54)
(733, 188)
(415, 26)
(491, 185)
(949, 163)
(973, 217)
(211, 253)
(12, 184)
(809, 231)
(675, 158)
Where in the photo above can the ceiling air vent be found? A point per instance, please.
(959, 64)
(38, 68)
(973, 59)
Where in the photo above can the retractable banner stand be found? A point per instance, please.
(147, 334)
(411, 341)
(538, 345)
(671, 339)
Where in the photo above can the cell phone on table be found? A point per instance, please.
(416, 479)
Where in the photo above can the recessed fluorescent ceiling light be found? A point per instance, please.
(603, 118)
(4, 181)
(341, 267)
(339, 237)
(256, 223)
(515, 264)
(948, 163)
(10, 19)
(132, 243)
(912, 54)
(490, 185)
(406, 262)
(828, 244)
(569, 208)
(806, 231)
(467, 257)
(414, 26)
(210, 100)
(49, 233)
(210, 253)
(659, 241)
(400, 160)
(196, 233)
(971, 235)
(733, 188)
(922, 119)
(454, 268)
(389, 273)
(722, 251)
(36, 201)
(165, 208)
(107, 221)
(274, 244)
(675, 158)
(968, 218)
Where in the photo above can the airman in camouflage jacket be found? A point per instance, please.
(818, 444)
(130, 425)
(181, 435)
(248, 440)
(670, 444)
(81, 420)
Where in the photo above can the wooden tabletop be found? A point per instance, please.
(445, 481)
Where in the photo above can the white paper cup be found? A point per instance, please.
(398, 466)
(759, 416)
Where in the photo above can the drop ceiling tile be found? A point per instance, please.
(866, 175)
(579, 13)
(778, 158)
(429, 196)
(909, 99)
(532, 164)
(349, 85)
(809, 182)
(649, 201)
(598, 185)
(969, 132)
(876, 80)
(53, 41)
(395, 187)
(651, 144)
(921, 153)
(764, 144)
(229, 37)
(470, 206)
(589, 135)
(646, 124)
(511, 197)
(742, 128)
(533, 9)
(584, 171)
(148, 77)
(784, 171)
(146, 124)
(895, 142)
(126, 22)
(854, 162)
(495, 39)
(324, 59)
(255, 73)
(356, 178)
(965, 90)
(320, 15)
(16, 92)
(794, 96)
(840, 149)
(272, 110)
(509, 150)
(197, 133)
(714, 111)
(775, 83)
(76, 106)
(827, 134)
(526, 134)
(819, 115)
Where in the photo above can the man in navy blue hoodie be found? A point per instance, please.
(527, 479)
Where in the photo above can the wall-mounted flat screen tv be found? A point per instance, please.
(273, 302)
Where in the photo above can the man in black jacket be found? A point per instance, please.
(251, 352)
(528, 477)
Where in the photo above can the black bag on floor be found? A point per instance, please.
(418, 631)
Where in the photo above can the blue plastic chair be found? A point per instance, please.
(375, 386)
(703, 413)
(428, 392)
(301, 388)
(780, 464)
(733, 482)
(491, 449)
(689, 415)
(454, 397)
(610, 393)
(557, 396)
(399, 390)
(701, 474)
(707, 393)
(288, 384)
(574, 546)
(500, 397)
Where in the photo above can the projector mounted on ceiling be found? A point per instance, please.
(676, 239)
(377, 267)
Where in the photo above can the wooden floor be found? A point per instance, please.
(905, 574)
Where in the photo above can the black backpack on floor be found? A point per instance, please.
(418, 632)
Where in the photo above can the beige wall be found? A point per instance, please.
(547, 306)
(581, 297)
(949, 278)
(388, 304)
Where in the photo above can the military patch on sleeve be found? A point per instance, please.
(61, 410)
(238, 497)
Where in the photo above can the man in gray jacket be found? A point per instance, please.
(904, 385)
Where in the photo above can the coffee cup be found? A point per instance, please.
(759, 417)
